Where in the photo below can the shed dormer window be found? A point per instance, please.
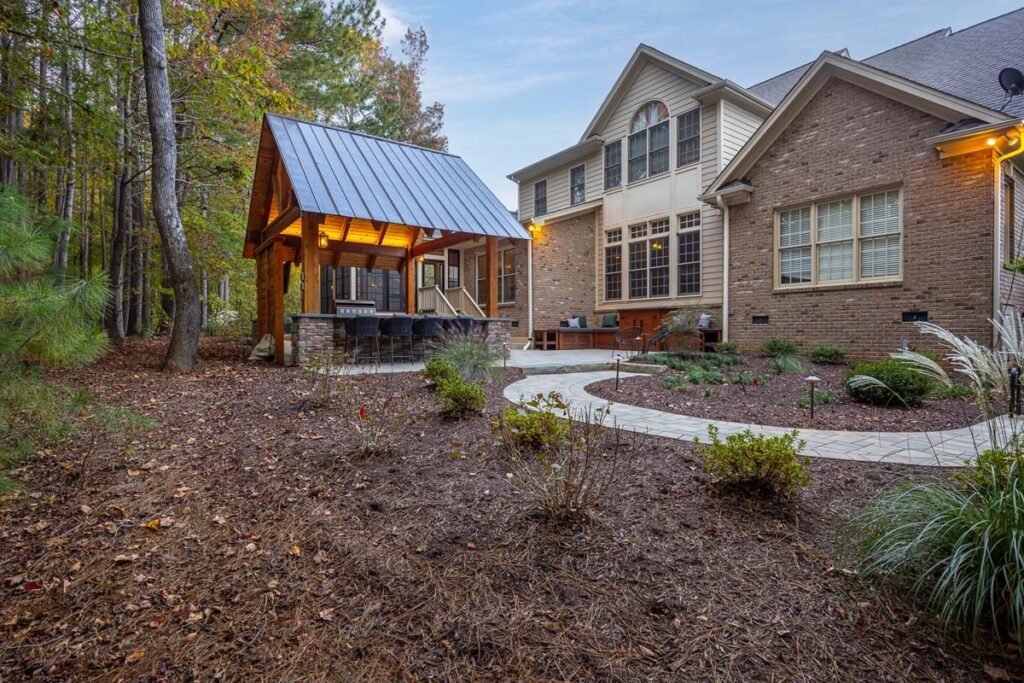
(648, 141)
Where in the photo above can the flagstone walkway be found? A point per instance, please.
(950, 448)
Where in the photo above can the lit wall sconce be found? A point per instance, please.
(991, 142)
(535, 227)
(324, 240)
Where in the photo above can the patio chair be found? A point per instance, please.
(427, 329)
(629, 339)
(363, 328)
(398, 327)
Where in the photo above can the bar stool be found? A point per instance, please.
(398, 327)
(360, 328)
(431, 328)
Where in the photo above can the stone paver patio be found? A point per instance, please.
(949, 448)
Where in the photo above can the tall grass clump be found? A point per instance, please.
(959, 544)
(474, 358)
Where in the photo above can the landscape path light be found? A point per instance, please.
(812, 381)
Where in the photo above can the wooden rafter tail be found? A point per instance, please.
(440, 243)
(383, 228)
(278, 225)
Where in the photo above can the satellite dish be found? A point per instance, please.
(1012, 81)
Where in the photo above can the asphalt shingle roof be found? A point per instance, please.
(963, 63)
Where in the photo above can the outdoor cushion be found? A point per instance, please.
(264, 350)
(704, 322)
(574, 323)
(582, 320)
(610, 320)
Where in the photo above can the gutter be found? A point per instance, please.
(725, 266)
(529, 295)
(997, 303)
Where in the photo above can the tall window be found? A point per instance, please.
(613, 164)
(481, 278)
(613, 268)
(689, 253)
(847, 240)
(649, 259)
(454, 268)
(507, 276)
(688, 137)
(385, 288)
(648, 141)
(578, 184)
(540, 198)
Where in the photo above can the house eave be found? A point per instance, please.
(1002, 137)
(577, 151)
(732, 92)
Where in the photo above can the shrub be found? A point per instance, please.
(777, 346)
(534, 425)
(685, 361)
(459, 398)
(569, 480)
(886, 382)
(953, 390)
(756, 463)
(960, 546)
(438, 369)
(821, 397)
(994, 467)
(676, 382)
(473, 357)
(373, 410)
(746, 379)
(729, 348)
(832, 355)
(789, 363)
(697, 375)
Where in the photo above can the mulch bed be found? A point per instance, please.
(774, 402)
(283, 555)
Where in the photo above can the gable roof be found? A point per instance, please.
(644, 54)
(776, 87)
(339, 172)
(828, 65)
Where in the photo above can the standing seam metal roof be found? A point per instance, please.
(343, 173)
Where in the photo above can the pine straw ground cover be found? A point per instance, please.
(278, 555)
(774, 401)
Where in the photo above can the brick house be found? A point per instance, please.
(836, 203)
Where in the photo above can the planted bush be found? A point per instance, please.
(888, 382)
(729, 348)
(373, 411)
(832, 355)
(438, 369)
(756, 463)
(676, 382)
(538, 425)
(777, 346)
(789, 363)
(459, 398)
(473, 357)
(821, 397)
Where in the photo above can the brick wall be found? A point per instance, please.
(563, 271)
(849, 140)
(516, 310)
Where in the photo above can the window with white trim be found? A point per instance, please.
(540, 198)
(852, 239)
(577, 184)
(688, 138)
(648, 141)
(613, 164)
(649, 259)
(688, 253)
(613, 272)
(507, 276)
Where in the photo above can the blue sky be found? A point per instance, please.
(521, 80)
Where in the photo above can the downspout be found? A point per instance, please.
(725, 265)
(529, 295)
(997, 303)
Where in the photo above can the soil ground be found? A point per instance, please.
(774, 401)
(280, 554)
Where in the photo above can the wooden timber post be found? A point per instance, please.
(410, 283)
(277, 299)
(491, 263)
(311, 262)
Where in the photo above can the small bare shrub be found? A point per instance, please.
(322, 372)
(569, 478)
(373, 409)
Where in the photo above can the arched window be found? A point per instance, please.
(648, 141)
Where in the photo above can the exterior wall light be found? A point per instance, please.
(323, 239)
(991, 142)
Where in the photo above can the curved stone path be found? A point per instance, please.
(950, 448)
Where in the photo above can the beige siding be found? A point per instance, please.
(652, 83)
(738, 125)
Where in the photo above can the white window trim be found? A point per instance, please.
(857, 280)
(501, 276)
(700, 137)
(546, 207)
(647, 238)
(604, 166)
(647, 153)
(584, 199)
(699, 229)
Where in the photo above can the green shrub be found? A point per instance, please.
(699, 375)
(684, 361)
(756, 463)
(994, 467)
(821, 397)
(745, 379)
(474, 358)
(953, 390)
(832, 355)
(729, 348)
(958, 545)
(789, 363)
(459, 398)
(887, 382)
(777, 346)
(676, 382)
(438, 369)
(534, 426)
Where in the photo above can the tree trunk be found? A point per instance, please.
(83, 237)
(147, 288)
(114, 321)
(181, 352)
(67, 190)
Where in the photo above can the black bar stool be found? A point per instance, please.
(398, 327)
(425, 329)
(363, 328)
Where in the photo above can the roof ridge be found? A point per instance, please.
(360, 133)
(948, 31)
(985, 21)
(783, 73)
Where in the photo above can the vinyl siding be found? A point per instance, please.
(738, 125)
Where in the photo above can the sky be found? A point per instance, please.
(521, 80)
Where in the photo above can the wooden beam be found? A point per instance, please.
(383, 228)
(311, 262)
(283, 220)
(350, 248)
(409, 266)
(440, 243)
(277, 300)
(336, 261)
(491, 261)
(344, 232)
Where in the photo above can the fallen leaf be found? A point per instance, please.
(327, 614)
(32, 586)
(218, 519)
(134, 473)
(251, 547)
(471, 546)
(295, 550)
(152, 524)
(121, 559)
(85, 509)
(37, 527)
(135, 656)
